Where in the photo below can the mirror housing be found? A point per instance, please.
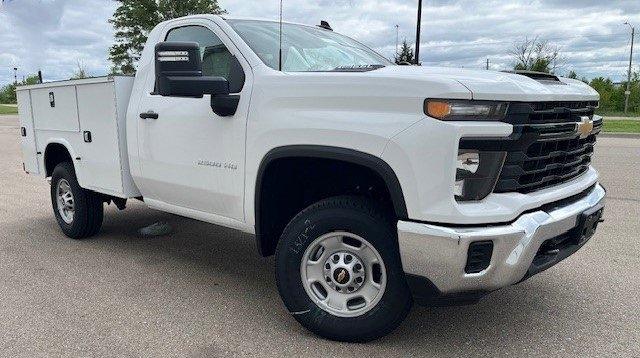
(179, 72)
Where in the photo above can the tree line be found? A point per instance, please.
(8, 92)
(540, 55)
(134, 19)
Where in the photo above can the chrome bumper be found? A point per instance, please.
(439, 253)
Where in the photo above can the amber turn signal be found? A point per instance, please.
(465, 110)
(438, 109)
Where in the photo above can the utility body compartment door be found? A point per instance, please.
(55, 108)
(27, 133)
(87, 117)
(101, 108)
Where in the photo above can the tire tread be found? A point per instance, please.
(376, 212)
(89, 212)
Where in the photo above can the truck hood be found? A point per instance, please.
(494, 85)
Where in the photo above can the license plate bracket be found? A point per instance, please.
(588, 223)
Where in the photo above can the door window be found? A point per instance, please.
(216, 58)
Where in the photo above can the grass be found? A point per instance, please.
(611, 126)
(8, 110)
(617, 114)
(622, 126)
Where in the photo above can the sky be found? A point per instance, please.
(56, 35)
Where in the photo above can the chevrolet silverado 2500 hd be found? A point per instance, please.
(375, 185)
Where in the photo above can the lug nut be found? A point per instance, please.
(359, 279)
(357, 267)
(336, 258)
(327, 266)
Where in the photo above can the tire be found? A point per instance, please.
(87, 206)
(340, 221)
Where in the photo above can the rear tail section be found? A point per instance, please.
(27, 133)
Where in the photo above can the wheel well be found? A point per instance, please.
(55, 154)
(288, 184)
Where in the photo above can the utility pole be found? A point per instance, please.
(280, 48)
(15, 76)
(418, 32)
(627, 93)
(487, 64)
(397, 37)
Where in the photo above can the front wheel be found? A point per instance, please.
(339, 272)
(79, 212)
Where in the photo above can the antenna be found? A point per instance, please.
(280, 51)
(325, 25)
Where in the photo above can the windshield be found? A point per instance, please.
(306, 48)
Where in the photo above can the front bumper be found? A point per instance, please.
(438, 255)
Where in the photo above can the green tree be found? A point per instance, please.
(612, 94)
(134, 19)
(536, 55)
(574, 75)
(606, 89)
(406, 54)
(8, 92)
(634, 98)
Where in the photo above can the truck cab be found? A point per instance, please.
(375, 185)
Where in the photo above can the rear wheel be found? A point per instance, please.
(79, 212)
(339, 272)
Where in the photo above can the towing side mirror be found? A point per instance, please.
(179, 72)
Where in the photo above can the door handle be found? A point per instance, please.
(149, 115)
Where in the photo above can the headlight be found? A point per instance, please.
(477, 173)
(459, 110)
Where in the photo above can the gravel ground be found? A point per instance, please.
(204, 291)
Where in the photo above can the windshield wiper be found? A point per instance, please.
(357, 68)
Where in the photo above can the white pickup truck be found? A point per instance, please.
(375, 185)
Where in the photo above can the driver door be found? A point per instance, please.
(190, 157)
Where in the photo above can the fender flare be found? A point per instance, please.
(372, 162)
(60, 141)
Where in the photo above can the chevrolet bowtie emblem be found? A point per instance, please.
(585, 127)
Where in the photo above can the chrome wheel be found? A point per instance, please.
(65, 201)
(343, 274)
